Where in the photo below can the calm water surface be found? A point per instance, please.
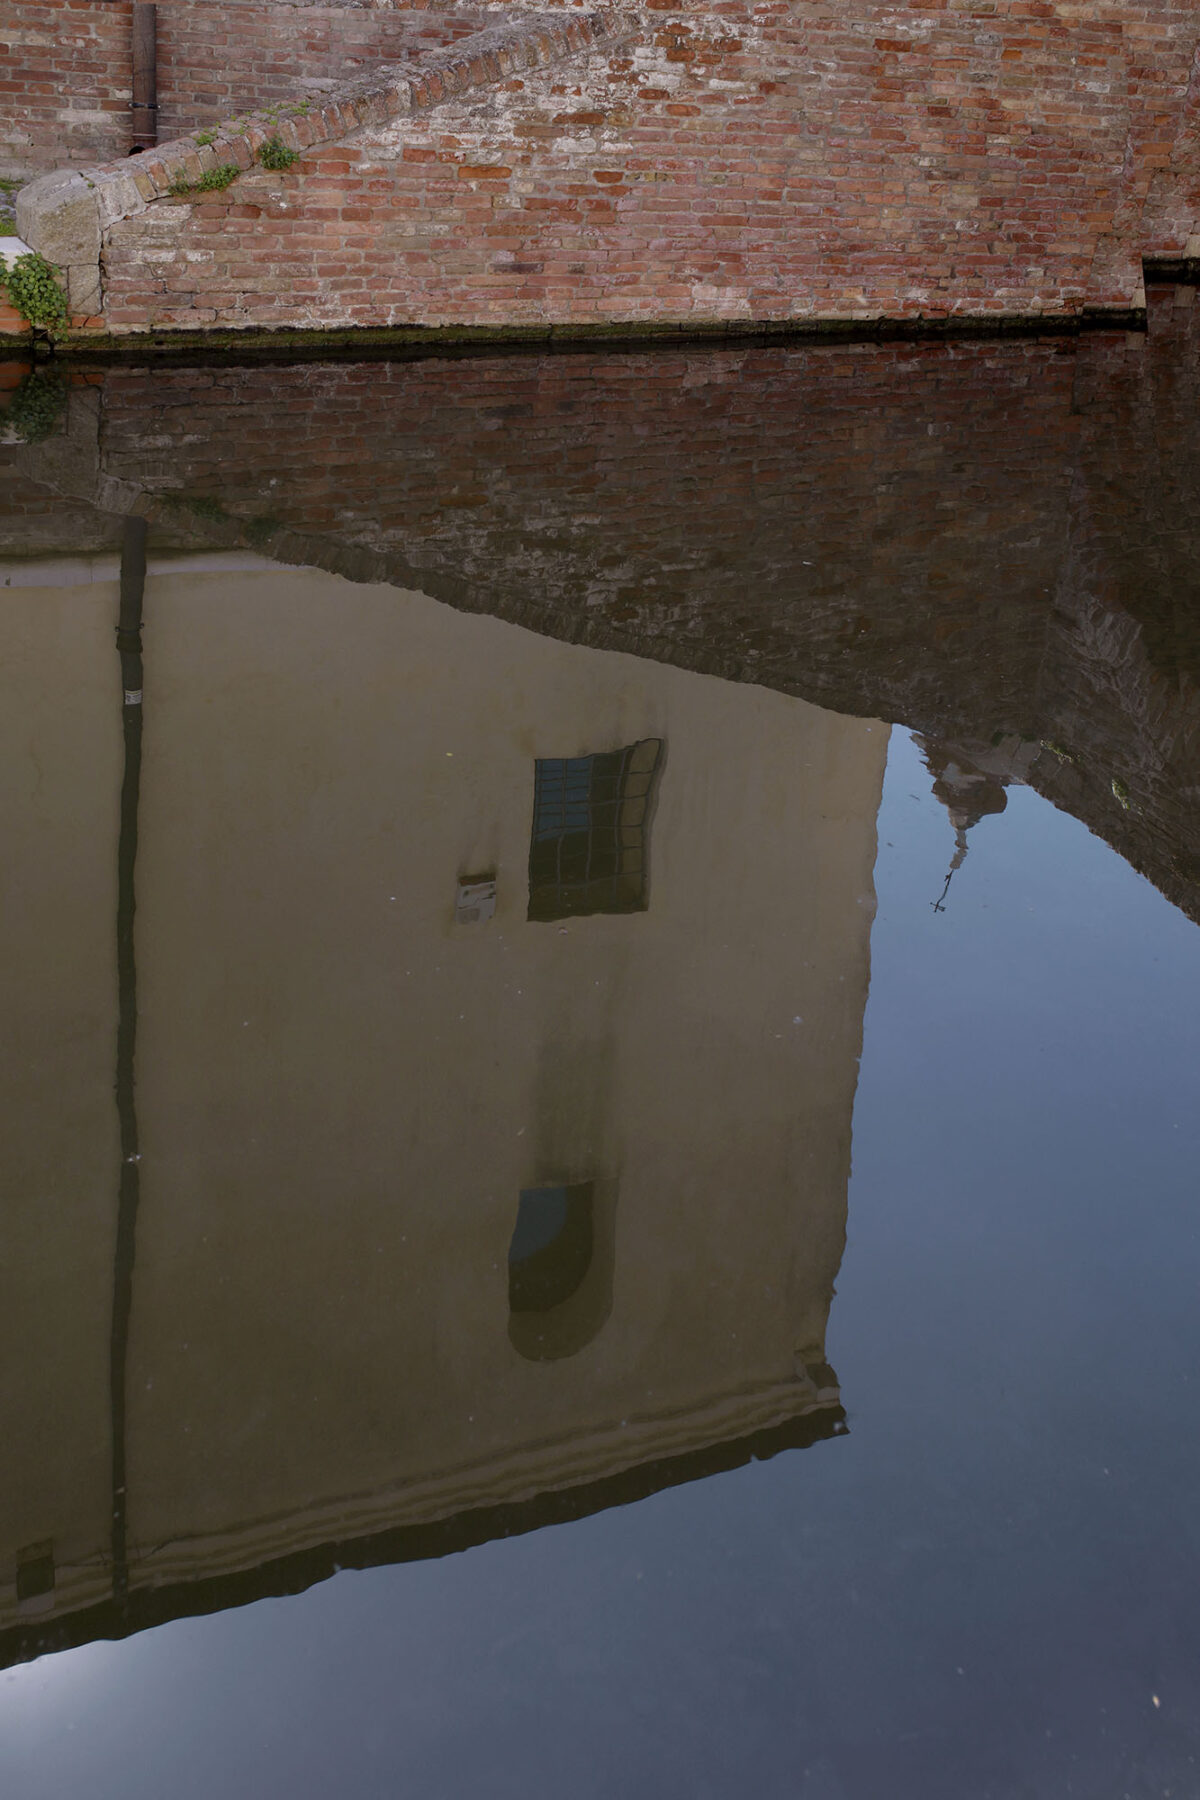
(576, 1219)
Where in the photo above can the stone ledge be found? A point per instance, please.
(65, 214)
(230, 345)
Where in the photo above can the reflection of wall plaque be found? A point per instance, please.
(476, 901)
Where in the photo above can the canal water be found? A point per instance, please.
(600, 1075)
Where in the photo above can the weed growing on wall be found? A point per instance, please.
(33, 288)
(212, 181)
(9, 188)
(274, 154)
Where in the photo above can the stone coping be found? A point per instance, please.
(65, 214)
(238, 345)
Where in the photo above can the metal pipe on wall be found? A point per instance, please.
(145, 75)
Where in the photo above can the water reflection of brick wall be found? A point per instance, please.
(972, 538)
(740, 510)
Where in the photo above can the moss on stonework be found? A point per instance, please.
(211, 182)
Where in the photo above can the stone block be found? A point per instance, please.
(58, 215)
(119, 194)
(83, 289)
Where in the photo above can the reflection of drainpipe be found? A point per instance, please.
(145, 75)
(129, 645)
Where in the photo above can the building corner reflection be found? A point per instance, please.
(445, 1233)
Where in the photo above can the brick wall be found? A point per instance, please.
(219, 58)
(64, 82)
(764, 161)
(65, 65)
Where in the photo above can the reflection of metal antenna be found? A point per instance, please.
(956, 863)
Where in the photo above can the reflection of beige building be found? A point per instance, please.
(348, 1075)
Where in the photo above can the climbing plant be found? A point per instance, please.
(33, 289)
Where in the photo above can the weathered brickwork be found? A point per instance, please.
(65, 65)
(68, 216)
(64, 82)
(219, 58)
(749, 160)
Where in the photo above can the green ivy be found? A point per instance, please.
(33, 289)
(274, 153)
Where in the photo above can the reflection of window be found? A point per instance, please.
(560, 1267)
(588, 853)
(551, 1249)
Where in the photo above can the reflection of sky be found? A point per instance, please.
(972, 1597)
(541, 1216)
(562, 801)
(38, 1691)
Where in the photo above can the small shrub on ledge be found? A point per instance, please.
(274, 153)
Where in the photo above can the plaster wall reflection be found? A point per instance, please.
(60, 740)
(346, 1081)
